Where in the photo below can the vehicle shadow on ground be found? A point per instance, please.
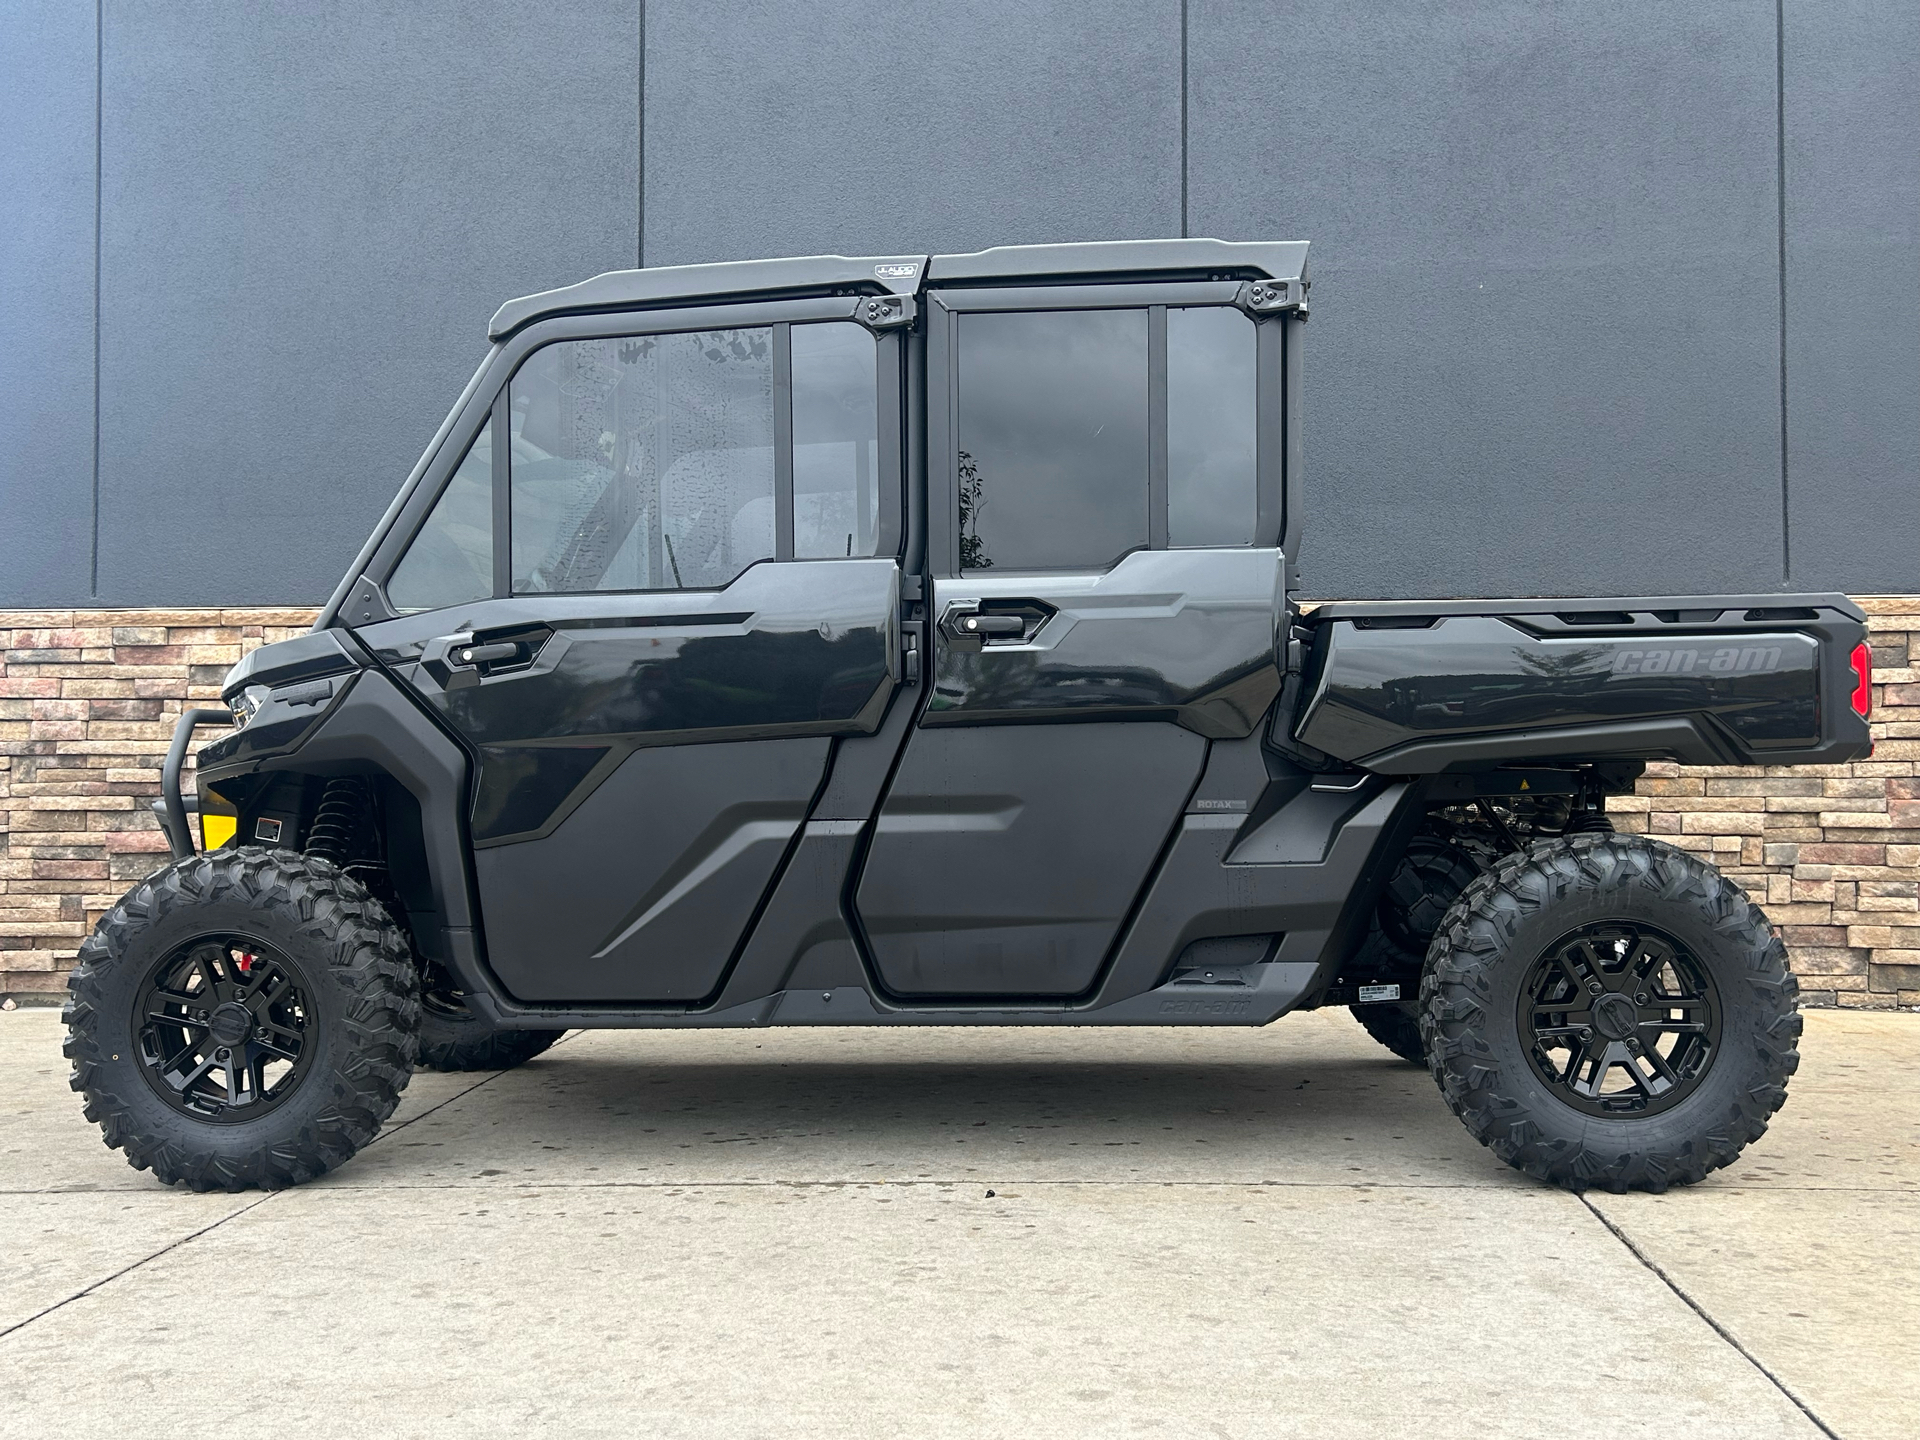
(1353, 1120)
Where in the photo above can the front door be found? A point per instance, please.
(662, 581)
(1103, 532)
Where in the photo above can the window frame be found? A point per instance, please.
(490, 399)
(946, 306)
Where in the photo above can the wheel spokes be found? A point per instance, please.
(277, 1052)
(1600, 1056)
(186, 1082)
(187, 1005)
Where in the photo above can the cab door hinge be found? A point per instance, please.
(885, 312)
(1270, 297)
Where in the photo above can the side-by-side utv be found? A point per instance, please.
(912, 641)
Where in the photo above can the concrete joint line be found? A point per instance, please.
(129, 1269)
(173, 1245)
(930, 1183)
(1717, 1328)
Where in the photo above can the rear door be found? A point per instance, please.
(1103, 540)
(661, 583)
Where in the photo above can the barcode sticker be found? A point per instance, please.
(1369, 993)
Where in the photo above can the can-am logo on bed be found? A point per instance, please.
(1726, 660)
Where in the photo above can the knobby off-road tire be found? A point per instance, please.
(1396, 1026)
(1493, 989)
(1429, 878)
(250, 955)
(453, 1038)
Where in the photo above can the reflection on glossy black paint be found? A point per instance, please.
(793, 649)
(1382, 688)
(1209, 668)
(643, 682)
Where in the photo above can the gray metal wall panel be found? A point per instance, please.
(46, 303)
(1546, 356)
(309, 215)
(775, 128)
(1853, 293)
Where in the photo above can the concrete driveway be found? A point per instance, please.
(967, 1233)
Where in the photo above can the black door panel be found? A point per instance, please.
(643, 760)
(1185, 635)
(642, 893)
(1005, 857)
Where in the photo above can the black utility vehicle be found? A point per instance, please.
(910, 641)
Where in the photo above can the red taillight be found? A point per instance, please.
(1862, 697)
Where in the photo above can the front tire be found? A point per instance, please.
(1429, 878)
(1396, 1025)
(242, 1019)
(1609, 1011)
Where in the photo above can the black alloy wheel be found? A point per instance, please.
(222, 1028)
(1620, 1019)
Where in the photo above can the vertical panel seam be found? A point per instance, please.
(93, 544)
(1780, 193)
(1184, 226)
(640, 189)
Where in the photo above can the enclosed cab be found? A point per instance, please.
(911, 640)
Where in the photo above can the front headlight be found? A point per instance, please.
(246, 705)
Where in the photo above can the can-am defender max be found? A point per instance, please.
(911, 641)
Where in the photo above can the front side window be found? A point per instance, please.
(1052, 410)
(450, 561)
(643, 462)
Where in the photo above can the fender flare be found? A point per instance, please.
(376, 726)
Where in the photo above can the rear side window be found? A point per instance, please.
(1052, 410)
(1061, 452)
(644, 462)
(1212, 395)
(450, 561)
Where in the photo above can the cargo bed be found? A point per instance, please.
(1412, 687)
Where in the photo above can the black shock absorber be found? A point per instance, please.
(1587, 814)
(342, 804)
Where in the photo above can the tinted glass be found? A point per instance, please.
(1212, 494)
(836, 500)
(1052, 438)
(450, 561)
(643, 463)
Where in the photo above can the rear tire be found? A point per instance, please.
(1610, 1011)
(454, 1039)
(242, 1019)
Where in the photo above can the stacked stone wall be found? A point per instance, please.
(88, 701)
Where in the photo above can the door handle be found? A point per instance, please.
(454, 661)
(482, 654)
(990, 625)
(1011, 622)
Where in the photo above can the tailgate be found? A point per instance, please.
(1413, 687)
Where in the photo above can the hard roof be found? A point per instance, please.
(629, 289)
(1243, 260)
(905, 274)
